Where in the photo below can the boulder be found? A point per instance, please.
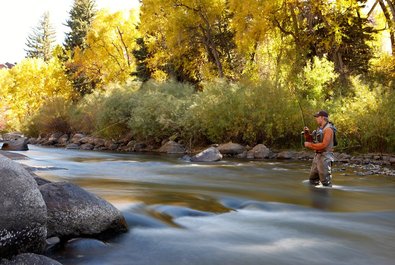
(260, 151)
(74, 212)
(29, 259)
(110, 145)
(62, 141)
(231, 149)
(211, 154)
(19, 144)
(86, 147)
(172, 147)
(54, 138)
(98, 142)
(139, 147)
(23, 215)
(12, 136)
(286, 155)
(76, 138)
(72, 146)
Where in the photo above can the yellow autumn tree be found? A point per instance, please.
(189, 40)
(110, 42)
(28, 86)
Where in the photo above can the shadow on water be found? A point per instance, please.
(231, 212)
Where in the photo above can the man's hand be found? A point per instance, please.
(307, 144)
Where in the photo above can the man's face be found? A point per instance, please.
(319, 120)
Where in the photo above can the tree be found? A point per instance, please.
(388, 8)
(108, 56)
(40, 43)
(81, 16)
(189, 40)
(28, 86)
(141, 54)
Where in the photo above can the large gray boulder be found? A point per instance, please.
(23, 214)
(172, 147)
(231, 149)
(74, 212)
(17, 144)
(29, 259)
(211, 154)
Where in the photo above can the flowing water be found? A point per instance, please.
(231, 212)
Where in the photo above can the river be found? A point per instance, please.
(233, 212)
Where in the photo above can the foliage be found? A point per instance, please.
(116, 107)
(28, 86)
(40, 43)
(110, 41)
(81, 16)
(50, 118)
(365, 120)
(243, 113)
(158, 111)
(189, 40)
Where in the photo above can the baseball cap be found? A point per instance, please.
(321, 113)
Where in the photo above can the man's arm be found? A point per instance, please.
(325, 142)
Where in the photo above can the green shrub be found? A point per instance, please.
(245, 113)
(365, 120)
(159, 110)
(116, 108)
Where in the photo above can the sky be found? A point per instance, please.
(19, 17)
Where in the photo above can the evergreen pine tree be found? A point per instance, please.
(81, 17)
(40, 43)
(82, 14)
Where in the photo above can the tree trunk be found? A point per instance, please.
(390, 22)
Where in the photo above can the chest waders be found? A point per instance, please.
(321, 169)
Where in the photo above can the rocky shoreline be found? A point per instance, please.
(364, 164)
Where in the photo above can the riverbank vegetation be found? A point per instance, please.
(204, 72)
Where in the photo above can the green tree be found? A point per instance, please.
(81, 16)
(40, 42)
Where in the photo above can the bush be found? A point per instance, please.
(365, 120)
(244, 113)
(52, 117)
(159, 110)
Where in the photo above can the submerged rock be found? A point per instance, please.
(23, 214)
(209, 155)
(74, 212)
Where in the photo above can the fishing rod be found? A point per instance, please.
(305, 136)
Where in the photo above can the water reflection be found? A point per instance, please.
(320, 198)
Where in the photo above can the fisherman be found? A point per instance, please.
(324, 139)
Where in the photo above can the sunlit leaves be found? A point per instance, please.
(29, 85)
(109, 45)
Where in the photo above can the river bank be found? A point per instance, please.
(363, 164)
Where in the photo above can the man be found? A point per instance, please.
(323, 143)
